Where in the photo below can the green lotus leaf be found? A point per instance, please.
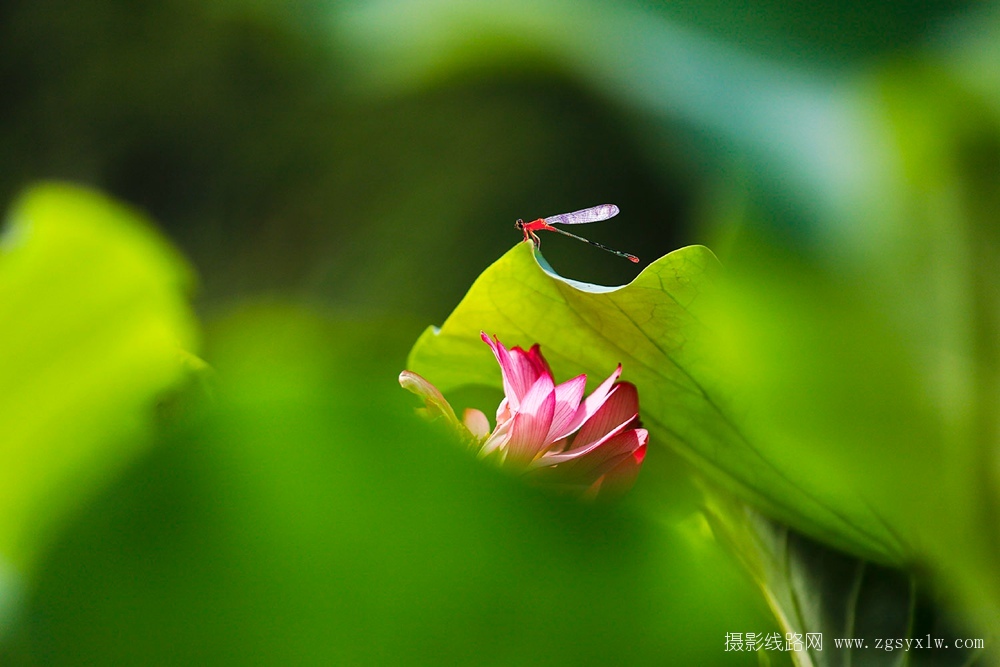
(96, 326)
(669, 330)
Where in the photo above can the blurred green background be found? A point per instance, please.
(337, 175)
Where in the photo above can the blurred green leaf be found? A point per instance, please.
(815, 589)
(801, 133)
(307, 516)
(882, 343)
(96, 326)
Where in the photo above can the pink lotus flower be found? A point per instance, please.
(549, 432)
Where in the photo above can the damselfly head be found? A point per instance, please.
(519, 225)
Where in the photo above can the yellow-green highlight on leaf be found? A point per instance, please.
(95, 326)
(656, 327)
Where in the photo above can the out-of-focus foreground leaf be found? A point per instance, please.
(792, 394)
(308, 516)
(95, 326)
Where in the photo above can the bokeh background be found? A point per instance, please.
(338, 173)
